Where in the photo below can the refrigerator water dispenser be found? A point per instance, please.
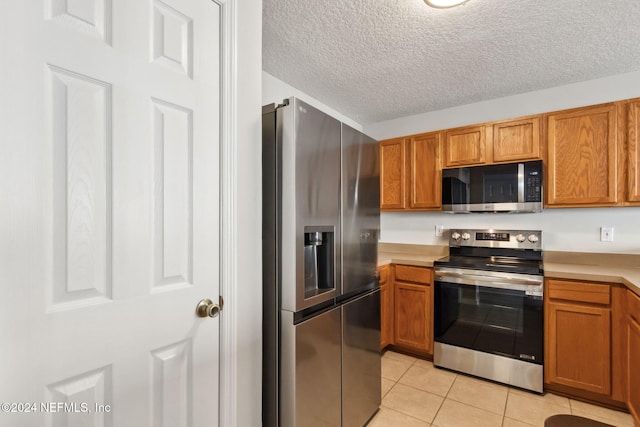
(318, 261)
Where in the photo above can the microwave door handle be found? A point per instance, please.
(520, 182)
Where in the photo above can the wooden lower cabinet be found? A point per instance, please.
(386, 308)
(633, 355)
(412, 305)
(585, 340)
(579, 346)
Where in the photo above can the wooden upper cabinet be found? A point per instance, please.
(581, 167)
(393, 174)
(515, 140)
(633, 152)
(425, 183)
(465, 146)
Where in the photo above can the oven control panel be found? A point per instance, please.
(513, 239)
(498, 237)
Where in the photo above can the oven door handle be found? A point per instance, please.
(527, 285)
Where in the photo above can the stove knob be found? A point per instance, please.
(466, 236)
(533, 238)
(455, 235)
(520, 238)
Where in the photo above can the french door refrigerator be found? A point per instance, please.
(321, 302)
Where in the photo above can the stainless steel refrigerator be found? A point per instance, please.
(321, 310)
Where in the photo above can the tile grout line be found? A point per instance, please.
(458, 375)
(510, 392)
(415, 388)
(407, 415)
(445, 398)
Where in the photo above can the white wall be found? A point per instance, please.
(275, 90)
(622, 86)
(564, 229)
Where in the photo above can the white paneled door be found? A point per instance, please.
(111, 125)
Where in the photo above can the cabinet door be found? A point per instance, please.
(412, 316)
(581, 167)
(633, 153)
(425, 184)
(633, 355)
(634, 369)
(386, 321)
(465, 146)
(386, 307)
(516, 140)
(578, 347)
(393, 174)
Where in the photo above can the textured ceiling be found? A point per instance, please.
(379, 60)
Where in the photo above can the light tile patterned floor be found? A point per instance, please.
(415, 393)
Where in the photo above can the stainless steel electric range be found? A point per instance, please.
(488, 306)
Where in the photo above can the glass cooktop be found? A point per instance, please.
(492, 263)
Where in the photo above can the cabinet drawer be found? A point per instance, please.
(633, 305)
(592, 293)
(408, 273)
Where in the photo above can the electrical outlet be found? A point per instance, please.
(606, 234)
(439, 230)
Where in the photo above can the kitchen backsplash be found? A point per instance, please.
(563, 229)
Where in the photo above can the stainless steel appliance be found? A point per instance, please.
(488, 306)
(321, 311)
(507, 187)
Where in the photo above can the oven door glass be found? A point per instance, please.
(498, 321)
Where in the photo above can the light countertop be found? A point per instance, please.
(597, 267)
(420, 255)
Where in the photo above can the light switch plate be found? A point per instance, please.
(439, 230)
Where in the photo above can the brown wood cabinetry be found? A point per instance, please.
(386, 307)
(495, 142)
(633, 151)
(591, 154)
(393, 174)
(579, 340)
(410, 173)
(411, 166)
(465, 146)
(633, 355)
(583, 343)
(515, 140)
(413, 308)
(582, 156)
(425, 180)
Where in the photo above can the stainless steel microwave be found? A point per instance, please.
(508, 187)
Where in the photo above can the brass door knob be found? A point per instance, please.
(207, 308)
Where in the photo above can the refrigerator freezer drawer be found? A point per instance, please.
(310, 370)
